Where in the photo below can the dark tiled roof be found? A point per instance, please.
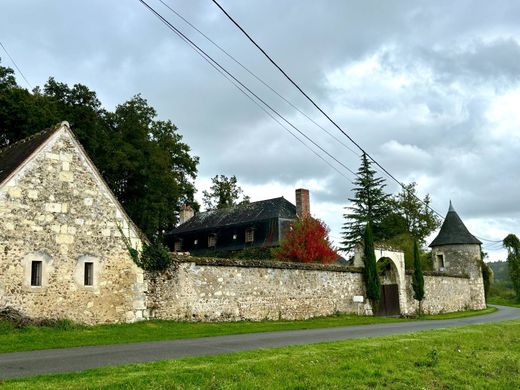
(453, 231)
(13, 155)
(255, 211)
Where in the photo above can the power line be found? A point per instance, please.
(214, 63)
(16, 66)
(256, 77)
(316, 105)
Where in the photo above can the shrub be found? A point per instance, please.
(307, 242)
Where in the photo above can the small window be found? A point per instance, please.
(212, 240)
(195, 242)
(440, 261)
(250, 235)
(89, 274)
(178, 246)
(36, 273)
(234, 236)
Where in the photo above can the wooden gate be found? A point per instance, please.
(389, 302)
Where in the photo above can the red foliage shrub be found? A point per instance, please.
(307, 242)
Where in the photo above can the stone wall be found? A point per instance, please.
(444, 294)
(57, 210)
(201, 289)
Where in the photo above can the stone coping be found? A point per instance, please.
(218, 262)
(438, 273)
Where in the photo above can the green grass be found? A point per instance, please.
(471, 357)
(500, 295)
(459, 314)
(67, 334)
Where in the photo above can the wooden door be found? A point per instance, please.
(389, 302)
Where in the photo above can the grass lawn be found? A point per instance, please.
(506, 301)
(67, 334)
(471, 357)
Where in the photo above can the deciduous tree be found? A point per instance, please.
(224, 193)
(143, 160)
(307, 242)
(512, 244)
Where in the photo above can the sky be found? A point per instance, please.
(430, 89)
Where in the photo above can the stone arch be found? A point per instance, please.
(394, 274)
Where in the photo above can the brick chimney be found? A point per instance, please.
(303, 207)
(185, 213)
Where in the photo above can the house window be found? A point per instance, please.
(89, 274)
(250, 235)
(195, 242)
(177, 246)
(234, 236)
(212, 240)
(440, 262)
(36, 273)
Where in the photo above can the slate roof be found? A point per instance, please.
(453, 231)
(255, 211)
(12, 156)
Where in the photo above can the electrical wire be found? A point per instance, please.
(216, 65)
(256, 76)
(16, 66)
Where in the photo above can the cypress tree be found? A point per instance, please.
(371, 277)
(417, 277)
(369, 204)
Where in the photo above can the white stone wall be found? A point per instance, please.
(222, 290)
(444, 294)
(196, 292)
(58, 209)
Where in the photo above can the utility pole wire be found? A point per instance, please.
(317, 106)
(257, 77)
(16, 66)
(215, 63)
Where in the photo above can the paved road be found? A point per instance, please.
(19, 364)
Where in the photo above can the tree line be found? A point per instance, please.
(143, 160)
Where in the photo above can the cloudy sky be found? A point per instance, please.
(429, 89)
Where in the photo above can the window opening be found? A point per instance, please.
(36, 273)
(89, 274)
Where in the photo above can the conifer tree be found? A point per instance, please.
(417, 277)
(369, 204)
(372, 284)
(512, 244)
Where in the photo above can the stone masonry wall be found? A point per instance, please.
(222, 290)
(56, 210)
(444, 294)
(200, 289)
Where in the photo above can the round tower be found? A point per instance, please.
(455, 250)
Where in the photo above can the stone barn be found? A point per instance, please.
(61, 253)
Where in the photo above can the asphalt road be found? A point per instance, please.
(19, 364)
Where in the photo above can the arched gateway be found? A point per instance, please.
(391, 269)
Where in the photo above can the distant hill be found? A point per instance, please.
(500, 272)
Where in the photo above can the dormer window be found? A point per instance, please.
(250, 235)
(212, 240)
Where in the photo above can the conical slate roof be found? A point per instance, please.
(453, 231)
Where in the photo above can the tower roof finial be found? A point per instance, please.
(451, 207)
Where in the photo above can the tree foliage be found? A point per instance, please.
(417, 276)
(143, 160)
(224, 193)
(419, 220)
(307, 242)
(370, 274)
(369, 204)
(512, 244)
